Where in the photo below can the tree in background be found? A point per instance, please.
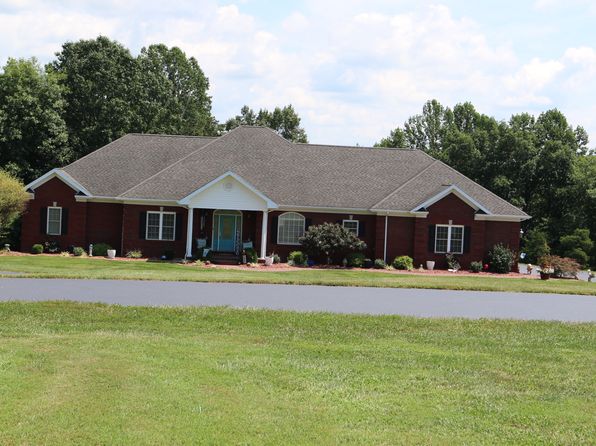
(173, 95)
(578, 246)
(536, 245)
(33, 134)
(285, 121)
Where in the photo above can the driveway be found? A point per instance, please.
(412, 302)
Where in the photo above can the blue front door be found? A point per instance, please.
(226, 233)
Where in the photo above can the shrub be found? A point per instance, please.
(403, 262)
(452, 262)
(297, 258)
(577, 245)
(52, 247)
(251, 255)
(330, 242)
(134, 254)
(536, 245)
(476, 267)
(501, 259)
(380, 264)
(101, 249)
(13, 199)
(560, 266)
(368, 263)
(77, 251)
(276, 258)
(37, 248)
(356, 260)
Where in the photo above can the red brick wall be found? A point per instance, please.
(316, 218)
(151, 248)
(104, 224)
(400, 237)
(45, 195)
(502, 232)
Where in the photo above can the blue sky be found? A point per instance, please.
(352, 69)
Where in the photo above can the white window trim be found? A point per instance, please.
(463, 235)
(279, 222)
(161, 214)
(48, 221)
(343, 223)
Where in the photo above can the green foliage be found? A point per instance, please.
(536, 245)
(403, 263)
(297, 258)
(452, 262)
(379, 264)
(330, 242)
(476, 267)
(276, 258)
(285, 121)
(33, 136)
(13, 199)
(101, 249)
(51, 246)
(356, 259)
(37, 248)
(77, 251)
(501, 259)
(134, 254)
(251, 255)
(577, 245)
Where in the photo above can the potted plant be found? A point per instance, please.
(430, 265)
(546, 267)
(111, 253)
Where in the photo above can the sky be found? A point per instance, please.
(353, 70)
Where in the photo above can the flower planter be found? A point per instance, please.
(544, 276)
(111, 253)
(430, 265)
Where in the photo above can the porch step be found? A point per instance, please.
(225, 258)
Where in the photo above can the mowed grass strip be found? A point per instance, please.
(77, 268)
(75, 373)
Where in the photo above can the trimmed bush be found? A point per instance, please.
(403, 263)
(251, 255)
(297, 258)
(536, 245)
(501, 259)
(380, 264)
(476, 267)
(276, 258)
(101, 249)
(37, 248)
(330, 243)
(77, 251)
(356, 260)
(134, 254)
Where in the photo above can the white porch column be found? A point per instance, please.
(191, 212)
(264, 235)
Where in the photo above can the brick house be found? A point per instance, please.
(161, 193)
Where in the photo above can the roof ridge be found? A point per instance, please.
(168, 135)
(354, 147)
(171, 165)
(413, 177)
(480, 185)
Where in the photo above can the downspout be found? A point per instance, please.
(385, 241)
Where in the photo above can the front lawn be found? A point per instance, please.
(81, 268)
(75, 373)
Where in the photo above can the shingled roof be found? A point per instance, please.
(165, 167)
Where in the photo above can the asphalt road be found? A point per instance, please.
(413, 302)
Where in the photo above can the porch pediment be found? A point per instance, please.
(229, 191)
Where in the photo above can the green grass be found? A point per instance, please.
(75, 373)
(77, 268)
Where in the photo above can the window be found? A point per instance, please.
(351, 225)
(54, 226)
(290, 227)
(449, 238)
(161, 226)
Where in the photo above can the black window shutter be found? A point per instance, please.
(307, 223)
(142, 225)
(467, 235)
(179, 225)
(361, 229)
(64, 228)
(273, 230)
(431, 238)
(43, 220)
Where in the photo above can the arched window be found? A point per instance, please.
(290, 227)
